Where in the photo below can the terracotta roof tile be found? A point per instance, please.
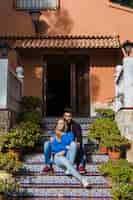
(62, 41)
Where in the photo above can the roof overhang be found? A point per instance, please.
(64, 41)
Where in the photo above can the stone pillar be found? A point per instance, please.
(4, 113)
(118, 88)
(124, 120)
(4, 121)
(128, 81)
(124, 117)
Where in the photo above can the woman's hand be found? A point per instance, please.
(61, 153)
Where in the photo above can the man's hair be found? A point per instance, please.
(68, 110)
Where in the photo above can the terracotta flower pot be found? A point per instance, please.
(2, 197)
(16, 151)
(103, 150)
(114, 154)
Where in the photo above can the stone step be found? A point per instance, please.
(39, 158)
(63, 198)
(56, 173)
(66, 193)
(49, 123)
(46, 186)
(60, 180)
(38, 167)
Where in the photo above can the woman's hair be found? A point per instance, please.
(65, 124)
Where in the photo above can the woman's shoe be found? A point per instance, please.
(85, 183)
(67, 173)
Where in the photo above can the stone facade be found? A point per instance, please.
(4, 121)
(124, 119)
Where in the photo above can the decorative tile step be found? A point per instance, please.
(57, 173)
(30, 167)
(55, 180)
(44, 186)
(63, 198)
(39, 158)
(66, 193)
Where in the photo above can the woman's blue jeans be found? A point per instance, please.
(66, 162)
(47, 153)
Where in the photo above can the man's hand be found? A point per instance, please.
(78, 144)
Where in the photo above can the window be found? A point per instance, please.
(37, 4)
(128, 3)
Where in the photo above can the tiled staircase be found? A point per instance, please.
(35, 186)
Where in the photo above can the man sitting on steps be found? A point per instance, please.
(76, 129)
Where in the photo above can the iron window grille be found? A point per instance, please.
(36, 4)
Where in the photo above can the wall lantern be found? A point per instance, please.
(128, 45)
(20, 72)
(4, 49)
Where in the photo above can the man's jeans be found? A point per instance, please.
(68, 161)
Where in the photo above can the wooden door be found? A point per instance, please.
(82, 79)
(80, 88)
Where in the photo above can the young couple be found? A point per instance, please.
(66, 145)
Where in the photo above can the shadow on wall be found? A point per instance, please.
(95, 87)
(56, 22)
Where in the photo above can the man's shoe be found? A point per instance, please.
(81, 169)
(47, 169)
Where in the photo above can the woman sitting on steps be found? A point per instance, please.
(64, 149)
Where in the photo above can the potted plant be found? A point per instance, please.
(24, 136)
(102, 146)
(30, 103)
(114, 143)
(8, 185)
(32, 116)
(105, 113)
(10, 162)
(101, 128)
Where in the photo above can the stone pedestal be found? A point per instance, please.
(4, 121)
(124, 120)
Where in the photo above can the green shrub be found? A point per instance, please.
(115, 142)
(30, 103)
(9, 162)
(122, 191)
(32, 116)
(7, 183)
(120, 170)
(26, 134)
(103, 127)
(106, 113)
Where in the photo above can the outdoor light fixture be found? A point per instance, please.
(4, 49)
(35, 14)
(20, 72)
(128, 45)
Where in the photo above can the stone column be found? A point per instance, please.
(4, 121)
(128, 81)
